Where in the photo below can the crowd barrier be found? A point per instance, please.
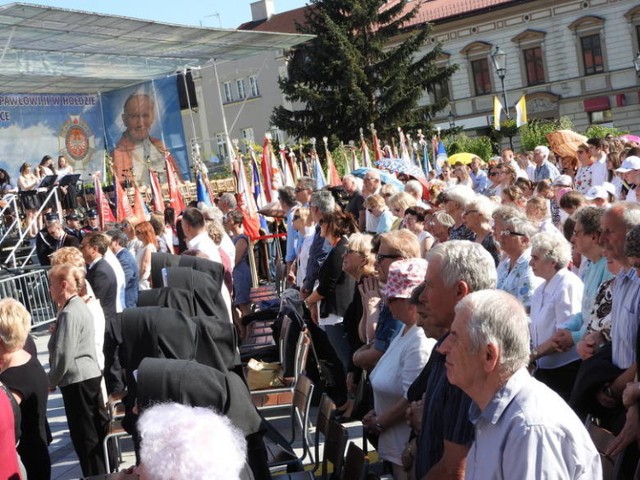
(32, 290)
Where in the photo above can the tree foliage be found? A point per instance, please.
(480, 146)
(363, 67)
(535, 132)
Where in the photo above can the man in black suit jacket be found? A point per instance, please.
(102, 279)
(51, 238)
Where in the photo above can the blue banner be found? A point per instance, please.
(35, 125)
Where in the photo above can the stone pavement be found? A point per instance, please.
(64, 461)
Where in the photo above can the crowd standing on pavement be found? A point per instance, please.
(492, 310)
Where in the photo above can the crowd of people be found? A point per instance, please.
(489, 311)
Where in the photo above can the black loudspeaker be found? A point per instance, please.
(186, 90)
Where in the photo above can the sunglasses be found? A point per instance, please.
(300, 189)
(380, 257)
(349, 250)
(506, 233)
(296, 217)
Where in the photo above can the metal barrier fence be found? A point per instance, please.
(32, 290)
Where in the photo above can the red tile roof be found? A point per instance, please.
(284, 22)
(434, 11)
(437, 11)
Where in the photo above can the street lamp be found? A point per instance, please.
(499, 59)
(636, 63)
(452, 120)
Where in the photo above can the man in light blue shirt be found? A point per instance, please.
(522, 428)
(545, 170)
(478, 176)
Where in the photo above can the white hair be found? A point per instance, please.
(498, 318)
(189, 442)
(484, 205)
(414, 188)
(462, 260)
(552, 246)
(461, 194)
(544, 150)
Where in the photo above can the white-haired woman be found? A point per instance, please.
(553, 303)
(456, 200)
(74, 368)
(477, 218)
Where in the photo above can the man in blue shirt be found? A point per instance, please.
(321, 202)
(545, 170)
(456, 268)
(522, 428)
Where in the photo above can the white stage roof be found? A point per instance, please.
(54, 50)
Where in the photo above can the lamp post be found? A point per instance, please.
(636, 63)
(452, 120)
(499, 59)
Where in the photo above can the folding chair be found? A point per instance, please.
(355, 465)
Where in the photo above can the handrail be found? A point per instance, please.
(52, 194)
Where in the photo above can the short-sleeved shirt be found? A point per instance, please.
(445, 416)
(527, 431)
(520, 280)
(386, 329)
(624, 313)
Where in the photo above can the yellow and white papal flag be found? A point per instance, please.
(497, 112)
(521, 111)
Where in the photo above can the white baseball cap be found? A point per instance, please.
(630, 163)
(597, 192)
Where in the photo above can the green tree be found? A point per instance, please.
(535, 132)
(363, 67)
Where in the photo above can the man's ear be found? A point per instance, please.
(491, 357)
(462, 290)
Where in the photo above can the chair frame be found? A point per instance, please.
(115, 431)
(355, 463)
(326, 413)
(300, 359)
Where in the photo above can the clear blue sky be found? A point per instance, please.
(216, 13)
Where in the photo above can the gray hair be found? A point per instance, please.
(413, 188)
(462, 260)
(306, 183)
(484, 205)
(443, 218)
(287, 196)
(543, 150)
(505, 213)
(190, 447)
(119, 236)
(323, 201)
(498, 318)
(590, 218)
(629, 213)
(461, 194)
(229, 199)
(552, 246)
(521, 225)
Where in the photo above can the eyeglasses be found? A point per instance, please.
(493, 174)
(138, 232)
(348, 251)
(506, 233)
(467, 212)
(296, 217)
(301, 189)
(371, 179)
(387, 195)
(578, 232)
(381, 256)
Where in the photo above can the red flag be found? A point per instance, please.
(156, 192)
(105, 215)
(123, 207)
(265, 166)
(175, 197)
(377, 152)
(139, 209)
(246, 202)
(332, 172)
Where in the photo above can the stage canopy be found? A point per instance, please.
(55, 50)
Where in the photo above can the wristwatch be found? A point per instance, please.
(379, 427)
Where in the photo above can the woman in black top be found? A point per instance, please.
(23, 374)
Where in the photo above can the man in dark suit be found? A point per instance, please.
(51, 238)
(102, 279)
(118, 246)
(93, 222)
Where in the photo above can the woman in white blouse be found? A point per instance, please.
(553, 303)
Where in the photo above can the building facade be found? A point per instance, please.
(570, 58)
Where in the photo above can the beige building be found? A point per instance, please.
(571, 58)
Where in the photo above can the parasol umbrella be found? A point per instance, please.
(391, 164)
(630, 138)
(385, 177)
(412, 171)
(464, 158)
(565, 142)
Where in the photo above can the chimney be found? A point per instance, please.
(261, 10)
